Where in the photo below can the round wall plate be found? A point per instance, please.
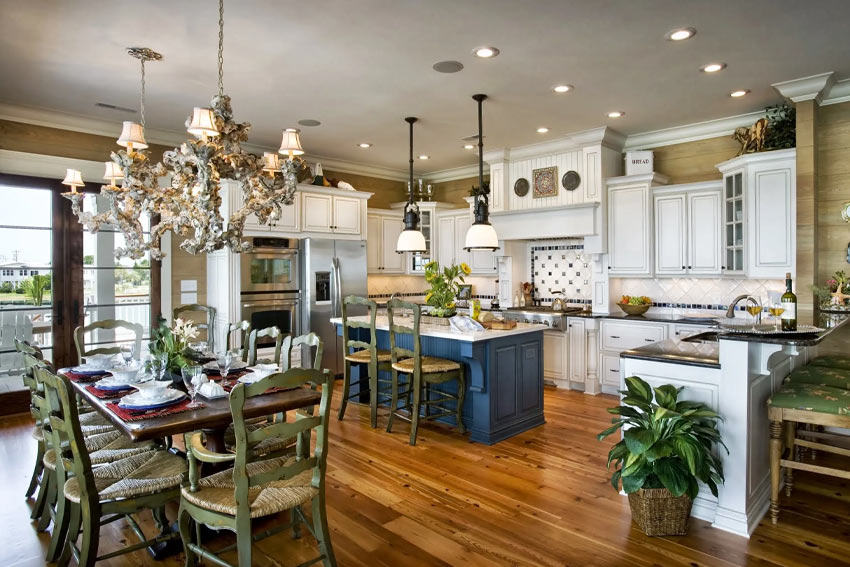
(521, 187)
(571, 180)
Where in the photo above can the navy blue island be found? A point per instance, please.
(504, 373)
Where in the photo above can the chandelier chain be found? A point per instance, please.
(220, 47)
(142, 97)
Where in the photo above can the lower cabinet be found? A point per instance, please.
(610, 369)
(555, 357)
(578, 352)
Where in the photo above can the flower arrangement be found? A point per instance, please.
(173, 342)
(836, 292)
(445, 286)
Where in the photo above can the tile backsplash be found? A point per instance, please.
(561, 265)
(413, 288)
(694, 293)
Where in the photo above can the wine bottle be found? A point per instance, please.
(319, 179)
(789, 303)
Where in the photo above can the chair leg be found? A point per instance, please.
(373, 393)
(39, 509)
(346, 386)
(60, 529)
(393, 402)
(414, 409)
(49, 502)
(461, 396)
(427, 399)
(243, 541)
(790, 432)
(323, 534)
(295, 520)
(184, 521)
(37, 470)
(91, 536)
(71, 538)
(775, 469)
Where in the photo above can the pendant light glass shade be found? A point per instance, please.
(133, 135)
(481, 237)
(410, 240)
(291, 143)
(203, 123)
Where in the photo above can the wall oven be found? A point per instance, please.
(271, 266)
(279, 310)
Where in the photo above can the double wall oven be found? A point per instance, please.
(270, 295)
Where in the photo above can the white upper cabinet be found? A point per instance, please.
(630, 218)
(759, 214)
(451, 238)
(346, 215)
(383, 229)
(687, 229)
(317, 213)
(447, 248)
(374, 243)
(330, 213)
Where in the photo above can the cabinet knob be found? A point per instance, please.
(690, 267)
(614, 337)
(683, 267)
(609, 267)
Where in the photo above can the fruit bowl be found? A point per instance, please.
(634, 309)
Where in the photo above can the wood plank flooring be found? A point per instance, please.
(541, 498)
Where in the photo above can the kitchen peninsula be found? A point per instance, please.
(504, 373)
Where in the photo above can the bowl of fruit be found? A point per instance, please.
(635, 304)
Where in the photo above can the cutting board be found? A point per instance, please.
(498, 325)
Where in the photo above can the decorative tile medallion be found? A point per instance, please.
(545, 182)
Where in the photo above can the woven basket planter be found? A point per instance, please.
(658, 513)
(432, 320)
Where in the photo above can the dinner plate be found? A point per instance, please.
(235, 366)
(112, 385)
(87, 370)
(135, 401)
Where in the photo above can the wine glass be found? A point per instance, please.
(127, 352)
(159, 365)
(190, 378)
(754, 309)
(777, 310)
(224, 359)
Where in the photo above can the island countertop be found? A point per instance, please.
(382, 323)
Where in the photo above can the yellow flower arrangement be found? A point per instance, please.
(445, 285)
(465, 268)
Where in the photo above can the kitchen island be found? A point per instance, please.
(734, 374)
(504, 373)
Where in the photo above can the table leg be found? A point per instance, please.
(214, 440)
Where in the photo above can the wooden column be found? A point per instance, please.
(807, 207)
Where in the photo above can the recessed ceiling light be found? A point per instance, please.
(468, 147)
(423, 156)
(680, 34)
(448, 66)
(562, 88)
(542, 130)
(738, 94)
(309, 122)
(713, 67)
(365, 145)
(485, 52)
(616, 114)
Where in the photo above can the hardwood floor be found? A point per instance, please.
(541, 498)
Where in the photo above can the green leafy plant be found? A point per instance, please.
(172, 342)
(781, 131)
(445, 286)
(35, 287)
(666, 443)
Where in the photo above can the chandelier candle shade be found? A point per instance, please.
(481, 235)
(411, 238)
(191, 207)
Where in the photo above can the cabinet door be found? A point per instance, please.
(704, 242)
(391, 261)
(770, 250)
(670, 234)
(629, 222)
(253, 225)
(374, 244)
(610, 372)
(462, 224)
(446, 238)
(316, 212)
(578, 352)
(555, 355)
(482, 262)
(733, 223)
(346, 215)
(290, 215)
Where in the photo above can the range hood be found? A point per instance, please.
(568, 221)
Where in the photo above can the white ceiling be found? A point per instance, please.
(361, 66)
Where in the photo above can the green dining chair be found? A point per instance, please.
(107, 325)
(244, 329)
(363, 354)
(253, 343)
(422, 372)
(208, 326)
(93, 495)
(254, 487)
(302, 342)
(33, 357)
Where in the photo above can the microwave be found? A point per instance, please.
(270, 266)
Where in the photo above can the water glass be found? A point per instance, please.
(159, 365)
(224, 359)
(127, 352)
(190, 375)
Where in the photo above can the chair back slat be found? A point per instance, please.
(305, 343)
(244, 328)
(106, 325)
(398, 352)
(348, 324)
(284, 429)
(246, 440)
(209, 326)
(271, 332)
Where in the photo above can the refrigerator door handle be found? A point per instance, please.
(338, 293)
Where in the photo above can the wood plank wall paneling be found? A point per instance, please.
(807, 206)
(690, 162)
(454, 191)
(185, 266)
(385, 191)
(833, 188)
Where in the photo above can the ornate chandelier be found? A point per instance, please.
(191, 205)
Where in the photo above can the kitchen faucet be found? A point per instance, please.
(730, 313)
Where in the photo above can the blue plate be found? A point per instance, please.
(135, 401)
(86, 371)
(107, 387)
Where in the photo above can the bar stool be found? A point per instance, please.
(369, 355)
(422, 372)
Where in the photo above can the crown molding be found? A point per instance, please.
(356, 168)
(840, 92)
(806, 88)
(691, 132)
(40, 165)
(455, 173)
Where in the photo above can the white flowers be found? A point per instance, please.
(185, 331)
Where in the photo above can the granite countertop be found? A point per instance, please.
(678, 352)
(382, 323)
(649, 317)
(830, 322)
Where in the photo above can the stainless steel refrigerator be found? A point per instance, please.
(331, 270)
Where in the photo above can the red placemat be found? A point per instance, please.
(138, 415)
(107, 394)
(74, 377)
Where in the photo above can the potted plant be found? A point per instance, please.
(173, 343)
(445, 287)
(836, 294)
(666, 450)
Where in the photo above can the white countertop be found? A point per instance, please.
(382, 323)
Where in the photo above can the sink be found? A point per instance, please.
(707, 337)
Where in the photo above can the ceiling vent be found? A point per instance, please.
(114, 107)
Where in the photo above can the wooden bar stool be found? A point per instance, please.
(422, 373)
(369, 355)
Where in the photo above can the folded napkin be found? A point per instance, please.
(211, 389)
(465, 324)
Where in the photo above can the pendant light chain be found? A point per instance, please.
(142, 98)
(220, 47)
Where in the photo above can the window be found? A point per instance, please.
(33, 272)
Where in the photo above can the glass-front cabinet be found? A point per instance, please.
(733, 217)
(426, 224)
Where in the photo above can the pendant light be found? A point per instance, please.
(411, 238)
(481, 235)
